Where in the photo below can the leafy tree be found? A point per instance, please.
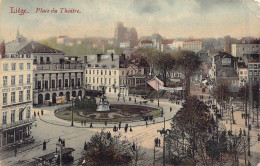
(222, 94)
(105, 150)
(164, 62)
(190, 63)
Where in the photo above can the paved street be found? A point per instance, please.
(50, 128)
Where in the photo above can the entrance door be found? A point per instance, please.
(40, 99)
(54, 98)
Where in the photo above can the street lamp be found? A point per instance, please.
(72, 124)
(244, 81)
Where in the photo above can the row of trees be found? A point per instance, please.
(186, 61)
(196, 135)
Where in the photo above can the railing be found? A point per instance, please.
(59, 66)
(60, 88)
(29, 120)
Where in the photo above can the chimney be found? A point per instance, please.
(99, 57)
(112, 56)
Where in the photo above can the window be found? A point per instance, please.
(13, 97)
(20, 79)
(28, 112)
(28, 66)
(28, 78)
(13, 66)
(86, 71)
(105, 80)
(109, 72)
(89, 79)
(21, 66)
(59, 83)
(21, 114)
(93, 79)
(4, 98)
(4, 118)
(12, 80)
(109, 81)
(41, 60)
(66, 83)
(20, 96)
(255, 66)
(105, 72)
(5, 67)
(4, 80)
(101, 72)
(97, 72)
(114, 81)
(53, 83)
(12, 116)
(48, 60)
(109, 89)
(79, 83)
(123, 73)
(46, 86)
(101, 80)
(28, 96)
(39, 84)
(89, 71)
(97, 80)
(114, 72)
(93, 71)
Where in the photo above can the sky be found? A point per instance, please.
(98, 18)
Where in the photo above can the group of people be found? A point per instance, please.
(83, 122)
(157, 142)
(119, 127)
(38, 113)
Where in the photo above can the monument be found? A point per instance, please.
(103, 103)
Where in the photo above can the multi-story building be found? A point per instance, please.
(194, 45)
(113, 73)
(239, 50)
(55, 78)
(146, 44)
(253, 62)
(242, 72)
(16, 75)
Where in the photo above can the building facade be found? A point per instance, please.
(194, 45)
(16, 75)
(239, 50)
(112, 73)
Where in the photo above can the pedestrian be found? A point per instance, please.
(63, 142)
(108, 135)
(156, 142)
(44, 145)
(82, 122)
(159, 141)
(135, 100)
(258, 137)
(90, 125)
(146, 123)
(15, 151)
(42, 111)
(85, 122)
(133, 146)
(240, 131)
(34, 114)
(131, 129)
(244, 132)
(119, 125)
(153, 121)
(242, 116)
(125, 129)
(59, 140)
(38, 113)
(170, 109)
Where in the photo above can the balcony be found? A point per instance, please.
(17, 124)
(54, 67)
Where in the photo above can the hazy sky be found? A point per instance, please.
(170, 18)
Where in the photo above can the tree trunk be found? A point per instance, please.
(187, 86)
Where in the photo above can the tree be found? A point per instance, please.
(190, 63)
(103, 150)
(164, 62)
(222, 94)
(195, 133)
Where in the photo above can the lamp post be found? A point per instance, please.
(72, 124)
(244, 81)
(158, 94)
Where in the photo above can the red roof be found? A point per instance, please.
(194, 40)
(167, 41)
(146, 42)
(61, 36)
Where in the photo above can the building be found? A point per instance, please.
(63, 40)
(16, 75)
(228, 41)
(55, 78)
(167, 45)
(224, 67)
(194, 45)
(242, 74)
(125, 35)
(113, 73)
(239, 50)
(253, 62)
(146, 44)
